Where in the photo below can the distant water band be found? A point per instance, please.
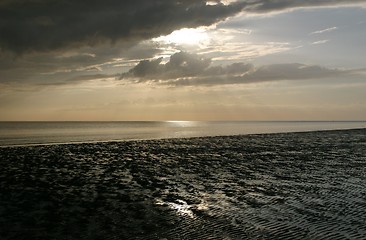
(28, 133)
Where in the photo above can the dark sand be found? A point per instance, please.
(273, 186)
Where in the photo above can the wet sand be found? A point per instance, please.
(272, 186)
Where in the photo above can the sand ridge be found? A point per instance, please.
(270, 186)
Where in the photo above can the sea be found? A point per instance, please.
(38, 133)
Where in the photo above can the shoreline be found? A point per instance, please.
(168, 138)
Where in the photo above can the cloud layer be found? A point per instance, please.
(263, 6)
(50, 24)
(54, 24)
(185, 69)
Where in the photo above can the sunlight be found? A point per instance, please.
(185, 36)
(182, 123)
(180, 206)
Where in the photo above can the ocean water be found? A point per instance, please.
(29, 133)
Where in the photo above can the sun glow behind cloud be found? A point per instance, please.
(185, 36)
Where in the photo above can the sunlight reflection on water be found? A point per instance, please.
(184, 123)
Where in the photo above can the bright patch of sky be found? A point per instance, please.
(341, 30)
(324, 36)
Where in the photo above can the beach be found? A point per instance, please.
(306, 185)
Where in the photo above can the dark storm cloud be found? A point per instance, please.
(41, 25)
(52, 24)
(263, 6)
(184, 69)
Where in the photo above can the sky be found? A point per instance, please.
(146, 60)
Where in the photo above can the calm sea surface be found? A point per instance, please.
(27, 133)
